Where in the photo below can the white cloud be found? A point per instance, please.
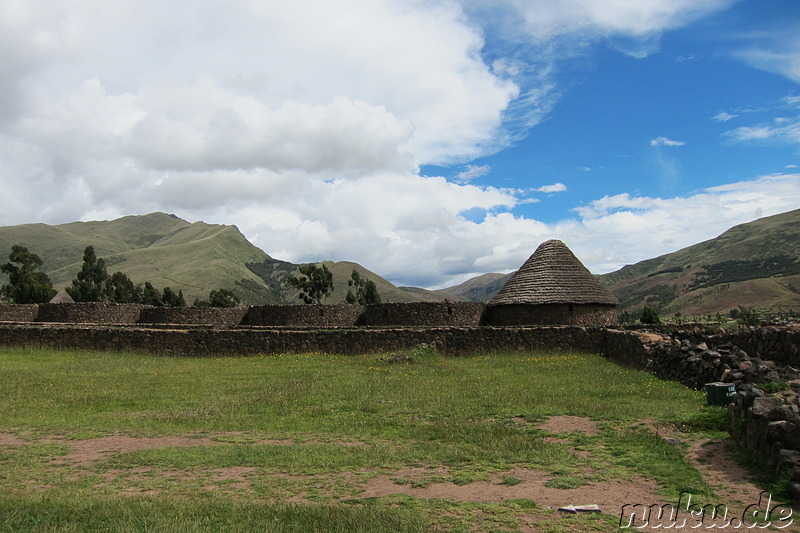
(722, 116)
(547, 18)
(664, 141)
(472, 172)
(305, 123)
(555, 187)
(624, 229)
(779, 53)
(782, 130)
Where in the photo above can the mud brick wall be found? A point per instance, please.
(579, 314)
(215, 316)
(18, 312)
(458, 314)
(89, 313)
(321, 316)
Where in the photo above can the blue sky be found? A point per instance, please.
(430, 141)
(601, 136)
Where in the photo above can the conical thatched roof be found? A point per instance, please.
(553, 275)
(62, 298)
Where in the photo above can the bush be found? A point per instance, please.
(649, 316)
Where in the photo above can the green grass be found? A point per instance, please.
(348, 419)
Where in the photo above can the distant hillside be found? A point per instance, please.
(755, 265)
(274, 274)
(478, 289)
(168, 251)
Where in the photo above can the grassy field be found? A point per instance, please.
(122, 442)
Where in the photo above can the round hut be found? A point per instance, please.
(553, 287)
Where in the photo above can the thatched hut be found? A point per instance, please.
(553, 287)
(62, 297)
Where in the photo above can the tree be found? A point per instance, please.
(150, 295)
(315, 284)
(649, 316)
(90, 283)
(222, 298)
(366, 292)
(747, 316)
(170, 299)
(26, 285)
(120, 289)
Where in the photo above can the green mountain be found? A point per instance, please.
(753, 265)
(168, 251)
(478, 289)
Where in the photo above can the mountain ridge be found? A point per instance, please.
(194, 257)
(756, 264)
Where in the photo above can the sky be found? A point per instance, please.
(429, 141)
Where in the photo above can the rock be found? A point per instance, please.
(779, 429)
(763, 406)
(794, 490)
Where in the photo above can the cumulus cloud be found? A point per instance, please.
(664, 141)
(547, 18)
(623, 229)
(555, 187)
(305, 123)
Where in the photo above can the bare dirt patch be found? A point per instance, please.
(609, 495)
(569, 424)
(715, 460)
(83, 452)
(9, 439)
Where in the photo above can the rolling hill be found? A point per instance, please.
(192, 257)
(754, 265)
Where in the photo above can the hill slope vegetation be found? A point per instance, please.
(752, 265)
(171, 252)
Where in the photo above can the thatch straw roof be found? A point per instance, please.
(553, 275)
(62, 298)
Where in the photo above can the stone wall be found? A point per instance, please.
(89, 313)
(416, 314)
(195, 341)
(577, 314)
(18, 312)
(769, 424)
(778, 344)
(213, 316)
(458, 314)
(319, 316)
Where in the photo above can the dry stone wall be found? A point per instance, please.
(769, 424)
(18, 312)
(321, 316)
(458, 314)
(90, 313)
(198, 341)
(213, 316)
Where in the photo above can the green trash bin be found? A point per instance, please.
(719, 393)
